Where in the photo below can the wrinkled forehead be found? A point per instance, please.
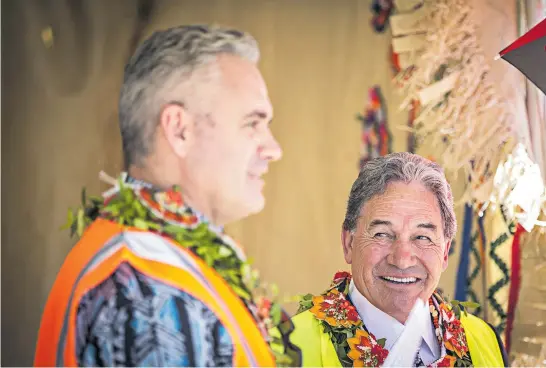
(403, 202)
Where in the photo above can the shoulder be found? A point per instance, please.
(476, 325)
(307, 333)
(106, 242)
(306, 321)
(484, 341)
(474, 321)
(114, 244)
(138, 265)
(305, 325)
(315, 344)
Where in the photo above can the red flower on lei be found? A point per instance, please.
(341, 276)
(168, 205)
(365, 350)
(335, 309)
(453, 339)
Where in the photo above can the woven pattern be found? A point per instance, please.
(471, 293)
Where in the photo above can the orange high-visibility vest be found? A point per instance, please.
(95, 257)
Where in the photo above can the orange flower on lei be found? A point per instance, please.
(335, 309)
(448, 361)
(168, 205)
(365, 350)
(454, 340)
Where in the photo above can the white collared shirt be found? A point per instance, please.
(381, 325)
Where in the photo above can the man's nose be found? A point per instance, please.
(402, 255)
(270, 150)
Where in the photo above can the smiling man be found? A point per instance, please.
(396, 237)
(154, 280)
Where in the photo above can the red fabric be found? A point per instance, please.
(395, 61)
(515, 277)
(533, 34)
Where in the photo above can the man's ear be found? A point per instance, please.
(176, 125)
(446, 255)
(347, 243)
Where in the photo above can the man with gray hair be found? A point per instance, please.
(153, 279)
(396, 236)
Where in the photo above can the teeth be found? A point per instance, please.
(403, 280)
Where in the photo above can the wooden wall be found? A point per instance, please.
(319, 57)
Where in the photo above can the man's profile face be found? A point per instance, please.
(398, 250)
(233, 143)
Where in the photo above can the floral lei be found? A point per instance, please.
(139, 205)
(357, 347)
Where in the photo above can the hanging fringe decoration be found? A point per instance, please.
(376, 137)
(412, 139)
(513, 294)
(413, 111)
(462, 114)
(519, 187)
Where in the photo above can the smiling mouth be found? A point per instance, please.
(400, 280)
(256, 178)
(256, 175)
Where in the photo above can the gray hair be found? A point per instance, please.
(166, 60)
(404, 167)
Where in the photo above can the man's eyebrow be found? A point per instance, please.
(257, 114)
(428, 225)
(380, 222)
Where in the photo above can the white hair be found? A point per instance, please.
(404, 167)
(166, 59)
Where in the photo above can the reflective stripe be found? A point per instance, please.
(155, 248)
(110, 247)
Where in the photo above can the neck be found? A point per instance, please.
(151, 177)
(166, 179)
(400, 317)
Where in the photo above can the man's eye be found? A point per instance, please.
(253, 124)
(423, 238)
(381, 235)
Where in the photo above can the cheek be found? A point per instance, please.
(367, 255)
(433, 260)
(240, 150)
(230, 155)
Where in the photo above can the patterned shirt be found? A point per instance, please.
(133, 320)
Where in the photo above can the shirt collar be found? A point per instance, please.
(382, 325)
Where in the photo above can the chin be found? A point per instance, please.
(256, 205)
(249, 203)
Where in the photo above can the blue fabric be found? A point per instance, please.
(462, 272)
(133, 320)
